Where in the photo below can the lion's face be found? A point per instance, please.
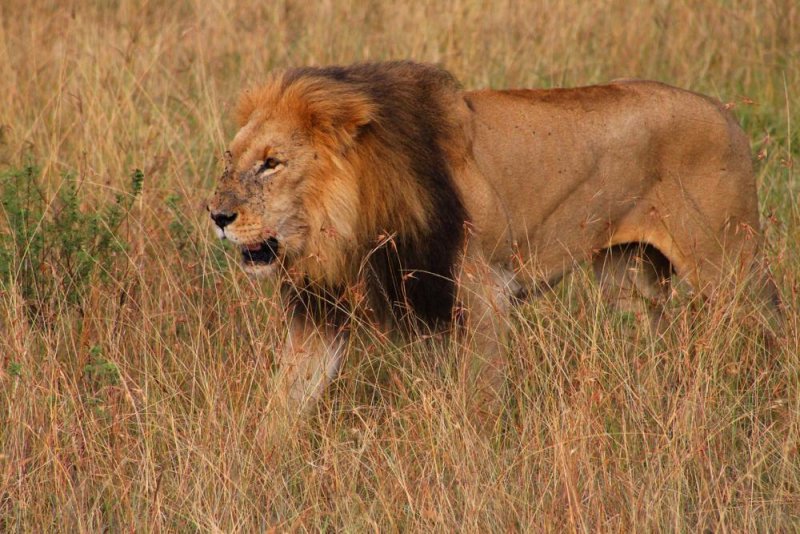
(291, 196)
(261, 199)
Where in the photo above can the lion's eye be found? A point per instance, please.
(269, 164)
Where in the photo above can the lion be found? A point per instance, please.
(385, 191)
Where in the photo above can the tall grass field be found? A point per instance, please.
(134, 353)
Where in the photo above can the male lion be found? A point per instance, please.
(385, 191)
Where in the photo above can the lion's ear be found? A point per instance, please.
(263, 98)
(338, 118)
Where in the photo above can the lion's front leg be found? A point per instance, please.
(308, 361)
(486, 294)
(314, 347)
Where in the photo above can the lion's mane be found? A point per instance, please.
(387, 133)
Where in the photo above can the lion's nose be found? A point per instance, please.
(223, 218)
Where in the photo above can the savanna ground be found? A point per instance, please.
(133, 352)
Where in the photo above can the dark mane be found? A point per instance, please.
(413, 272)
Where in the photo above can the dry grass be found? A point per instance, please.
(143, 405)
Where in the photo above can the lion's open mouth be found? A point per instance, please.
(262, 253)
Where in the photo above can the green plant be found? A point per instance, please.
(52, 245)
(99, 371)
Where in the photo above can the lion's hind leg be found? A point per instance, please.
(634, 278)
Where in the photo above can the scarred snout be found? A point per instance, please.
(258, 252)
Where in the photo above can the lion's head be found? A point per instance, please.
(287, 194)
(341, 169)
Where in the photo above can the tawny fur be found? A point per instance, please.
(392, 170)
